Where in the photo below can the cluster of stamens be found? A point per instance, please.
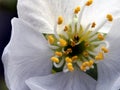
(78, 47)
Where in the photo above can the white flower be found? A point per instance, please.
(27, 56)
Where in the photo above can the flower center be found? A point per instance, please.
(78, 47)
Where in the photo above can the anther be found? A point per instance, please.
(66, 28)
(77, 9)
(74, 58)
(51, 39)
(100, 56)
(109, 17)
(93, 25)
(104, 49)
(100, 37)
(58, 53)
(68, 60)
(63, 43)
(70, 67)
(83, 68)
(60, 20)
(55, 59)
(89, 2)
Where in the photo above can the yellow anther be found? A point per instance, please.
(100, 56)
(71, 69)
(89, 2)
(104, 49)
(51, 39)
(85, 53)
(93, 25)
(63, 43)
(91, 62)
(66, 28)
(60, 20)
(74, 58)
(73, 43)
(68, 60)
(84, 64)
(109, 17)
(77, 9)
(58, 54)
(82, 68)
(55, 59)
(69, 65)
(100, 37)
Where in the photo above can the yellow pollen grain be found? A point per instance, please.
(85, 53)
(89, 2)
(93, 25)
(55, 59)
(104, 49)
(68, 60)
(100, 56)
(60, 20)
(77, 9)
(66, 28)
(63, 43)
(51, 39)
(109, 17)
(74, 58)
(58, 53)
(100, 37)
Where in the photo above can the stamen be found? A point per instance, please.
(100, 37)
(93, 25)
(58, 54)
(51, 39)
(109, 17)
(63, 43)
(66, 28)
(55, 59)
(68, 60)
(59, 64)
(74, 58)
(85, 53)
(100, 56)
(89, 2)
(60, 20)
(77, 9)
(70, 67)
(104, 49)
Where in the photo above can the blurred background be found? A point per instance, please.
(7, 12)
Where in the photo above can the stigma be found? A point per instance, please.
(78, 47)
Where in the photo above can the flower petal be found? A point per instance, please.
(109, 69)
(97, 13)
(63, 81)
(46, 11)
(26, 55)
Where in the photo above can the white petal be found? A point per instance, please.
(98, 10)
(26, 55)
(109, 69)
(46, 12)
(62, 81)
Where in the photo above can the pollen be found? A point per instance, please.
(58, 53)
(104, 49)
(60, 20)
(63, 42)
(100, 37)
(89, 2)
(55, 59)
(51, 39)
(109, 17)
(68, 60)
(70, 67)
(77, 9)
